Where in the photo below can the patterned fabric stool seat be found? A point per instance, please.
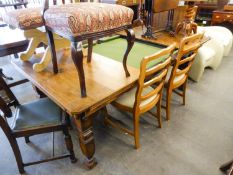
(87, 21)
(73, 22)
(25, 19)
(84, 18)
(72, 19)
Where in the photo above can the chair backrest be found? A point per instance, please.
(152, 78)
(7, 99)
(184, 58)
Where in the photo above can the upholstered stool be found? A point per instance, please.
(30, 20)
(87, 21)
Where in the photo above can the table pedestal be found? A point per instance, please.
(188, 26)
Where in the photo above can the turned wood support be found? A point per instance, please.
(69, 145)
(188, 26)
(77, 57)
(86, 138)
(130, 42)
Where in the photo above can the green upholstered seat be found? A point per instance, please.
(39, 113)
(128, 98)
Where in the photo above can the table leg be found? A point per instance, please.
(130, 42)
(77, 56)
(86, 139)
(90, 47)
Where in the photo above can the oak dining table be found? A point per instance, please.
(105, 81)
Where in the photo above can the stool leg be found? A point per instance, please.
(90, 46)
(77, 56)
(130, 42)
(53, 51)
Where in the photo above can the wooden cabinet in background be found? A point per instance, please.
(223, 18)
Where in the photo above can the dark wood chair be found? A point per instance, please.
(37, 117)
(178, 73)
(11, 47)
(147, 94)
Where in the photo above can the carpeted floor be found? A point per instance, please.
(196, 141)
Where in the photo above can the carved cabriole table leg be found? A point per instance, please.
(77, 56)
(86, 138)
(130, 42)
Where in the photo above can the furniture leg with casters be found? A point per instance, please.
(178, 73)
(146, 95)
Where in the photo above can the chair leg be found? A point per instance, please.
(159, 113)
(18, 157)
(27, 140)
(69, 145)
(184, 91)
(169, 93)
(136, 131)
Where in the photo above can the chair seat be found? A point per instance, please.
(128, 98)
(39, 113)
(85, 18)
(177, 79)
(24, 19)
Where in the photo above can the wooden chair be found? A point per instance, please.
(147, 94)
(38, 117)
(9, 48)
(178, 73)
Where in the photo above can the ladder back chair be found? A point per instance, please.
(178, 73)
(147, 94)
(37, 117)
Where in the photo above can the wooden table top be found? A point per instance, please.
(12, 41)
(105, 81)
(163, 38)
